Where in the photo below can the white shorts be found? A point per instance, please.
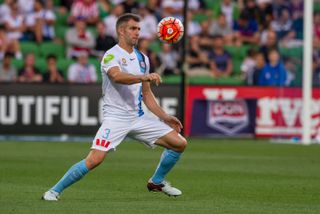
(145, 129)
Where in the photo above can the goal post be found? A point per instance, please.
(307, 72)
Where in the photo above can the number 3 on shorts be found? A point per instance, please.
(106, 133)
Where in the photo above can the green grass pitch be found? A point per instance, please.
(216, 176)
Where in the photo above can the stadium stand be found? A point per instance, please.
(204, 10)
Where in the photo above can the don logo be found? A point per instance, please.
(227, 116)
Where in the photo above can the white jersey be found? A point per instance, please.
(120, 100)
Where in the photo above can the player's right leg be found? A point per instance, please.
(75, 173)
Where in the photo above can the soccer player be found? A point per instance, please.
(126, 83)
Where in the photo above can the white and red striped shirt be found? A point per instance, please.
(81, 10)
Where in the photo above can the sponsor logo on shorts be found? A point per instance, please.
(103, 143)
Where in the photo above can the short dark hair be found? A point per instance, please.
(51, 56)
(8, 55)
(125, 18)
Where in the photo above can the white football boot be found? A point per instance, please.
(50, 195)
(164, 187)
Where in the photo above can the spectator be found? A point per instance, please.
(148, 24)
(259, 65)
(197, 59)
(230, 9)
(82, 71)
(248, 65)
(290, 67)
(103, 41)
(283, 26)
(5, 10)
(8, 73)
(316, 29)
(172, 8)
(10, 46)
(220, 27)
(130, 6)
(246, 30)
(175, 7)
(104, 7)
(110, 21)
(14, 24)
(3, 42)
(296, 9)
(154, 8)
(79, 39)
(265, 12)
(315, 69)
(40, 23)
(29, 73)
(194, 27)
(278, 6)
(316, 73)
(220, 59)
(271, 44)
(26, 7)
(251, 9)
(206, 39)
(87, 10)
(169, 60)
(274, 73)
(53, 75)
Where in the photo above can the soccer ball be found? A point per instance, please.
(170, 30)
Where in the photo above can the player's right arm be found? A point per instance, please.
(119, 77)
(112, 68)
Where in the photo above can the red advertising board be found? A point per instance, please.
(278, 110)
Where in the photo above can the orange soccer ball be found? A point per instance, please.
(170, 30)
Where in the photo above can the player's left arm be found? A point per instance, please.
(151, 103)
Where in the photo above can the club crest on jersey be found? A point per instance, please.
(124, 62)
(142, 64)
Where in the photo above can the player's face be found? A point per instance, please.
(132, 32)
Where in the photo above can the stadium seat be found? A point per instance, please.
(155, 46)
(96, 63)
(296, 52)
(62, 19)
(237, 52)
(63, 65)
(60, 31)
(316, 7)
(211, 4)
(171, 79)
(30, 47)
(17, 63)
(217, 81)
(93, 30)
(200, 17)
(47, 48)
(236, 66)
(41, 64)
(56, 2)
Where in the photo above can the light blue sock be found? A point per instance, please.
(168, 159)
(74, 174)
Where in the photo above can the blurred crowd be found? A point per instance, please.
(258, 42)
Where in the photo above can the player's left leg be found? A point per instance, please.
(175, 145)
(153, 132)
